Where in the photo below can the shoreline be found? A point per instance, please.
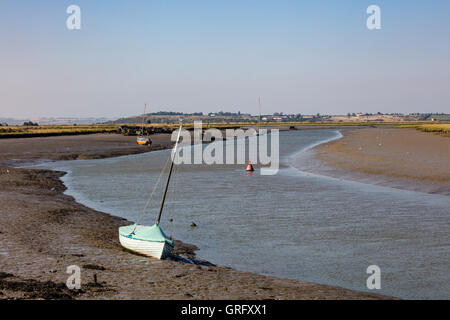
(47, 231)
(404, 159)
(27, 151)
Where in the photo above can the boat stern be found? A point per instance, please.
(146, 240)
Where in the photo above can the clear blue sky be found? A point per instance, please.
(299, 56)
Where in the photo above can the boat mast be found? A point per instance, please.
(174, 151)
(143, 116)
(259, 116)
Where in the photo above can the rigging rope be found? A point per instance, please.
(151, 195)
(174, 154)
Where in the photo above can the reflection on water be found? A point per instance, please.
(294, 225)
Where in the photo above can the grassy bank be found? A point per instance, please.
(221, 125)
(60, 130)
(439, 128)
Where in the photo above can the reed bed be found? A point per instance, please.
(438, 128)
(224, 125)
(57, 130)
(43, 131)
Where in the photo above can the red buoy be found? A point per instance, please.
(250, 167)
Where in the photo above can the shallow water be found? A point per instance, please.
(293, 224)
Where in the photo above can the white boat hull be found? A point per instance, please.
(158, 250)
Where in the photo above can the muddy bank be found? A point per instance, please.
(43, 231)
(399, 158)
(22, 151)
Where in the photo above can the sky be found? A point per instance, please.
(303, 57)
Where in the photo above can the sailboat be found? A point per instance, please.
(150, 240)
(141, 139)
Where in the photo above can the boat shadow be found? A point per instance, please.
(185, 253)
(190, 260)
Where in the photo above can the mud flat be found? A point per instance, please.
(21, 151)
(43, 231)
(400, 158)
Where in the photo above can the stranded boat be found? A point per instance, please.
(150, 240)
(141, 139)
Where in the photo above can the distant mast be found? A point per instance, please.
(143, 117)
(259, 115)
(141, 139)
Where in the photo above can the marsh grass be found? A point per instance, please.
(439, 128)
(42, 131)
(59, 130)
(224, 125)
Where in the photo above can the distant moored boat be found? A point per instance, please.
(141, 139)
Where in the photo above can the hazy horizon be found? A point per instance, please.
(203, 56)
